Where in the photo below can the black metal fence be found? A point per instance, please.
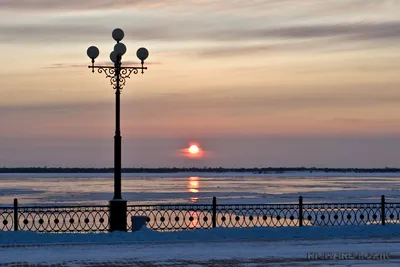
(199, 216)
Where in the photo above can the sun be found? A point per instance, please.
(193, 149)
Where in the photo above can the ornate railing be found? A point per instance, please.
(274, 215)
(173, 217)
(6, 219)
(55, 218)
(392, 213)
(327, 214)
(199, 216)
(64, 219)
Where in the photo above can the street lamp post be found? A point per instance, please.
(117, 75)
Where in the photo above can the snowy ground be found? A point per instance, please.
(236, 253)
(341, 246)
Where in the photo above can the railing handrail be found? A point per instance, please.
(263, 204)
(169, 205)
(199, 205)
(56, 207)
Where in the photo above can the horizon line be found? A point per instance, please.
(193, 169)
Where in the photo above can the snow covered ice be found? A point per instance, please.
(213, 247)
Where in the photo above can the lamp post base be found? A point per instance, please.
(118, 212)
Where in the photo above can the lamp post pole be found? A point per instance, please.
(117, 75)
(117, 136)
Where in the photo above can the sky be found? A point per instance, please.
(254, 83)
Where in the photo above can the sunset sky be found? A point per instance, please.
(254, 83)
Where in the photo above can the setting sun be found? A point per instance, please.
(193, 149)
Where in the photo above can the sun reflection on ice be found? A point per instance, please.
(193, 187)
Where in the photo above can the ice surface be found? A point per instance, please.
(200, 188)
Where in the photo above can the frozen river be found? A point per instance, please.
(200, 188)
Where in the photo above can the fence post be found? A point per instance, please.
(300, 211)
(383, 215)
(15, 214)
(214, 212)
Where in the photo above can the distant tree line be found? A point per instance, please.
(193, 169)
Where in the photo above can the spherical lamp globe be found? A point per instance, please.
(113, 56)
(93, 52)
(142, 53)
(120, 49)
(118, 34)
